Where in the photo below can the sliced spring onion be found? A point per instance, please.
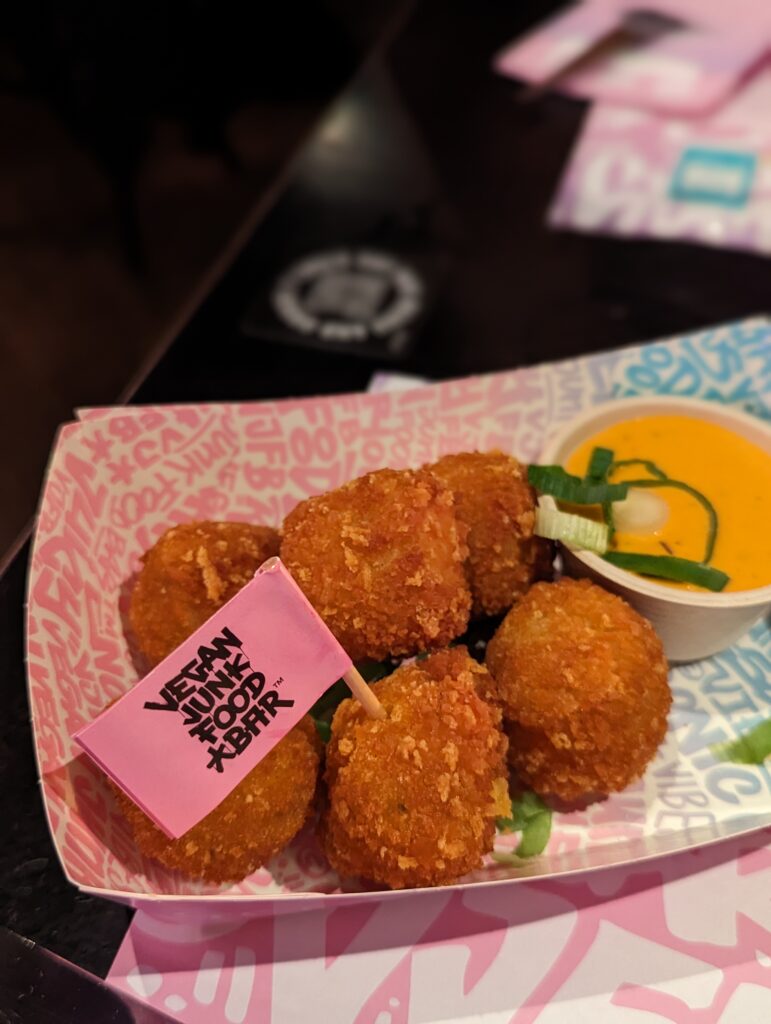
(599, 465)
(607, 515)
(560, 484)
(531, 817)
(652, 468)
(594, 490)
(535, 835)
(683, 570)
(324, 729)
(599, 468)
(706, 504)
(751, 748)
(571, 529)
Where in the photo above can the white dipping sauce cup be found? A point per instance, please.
(691, 624)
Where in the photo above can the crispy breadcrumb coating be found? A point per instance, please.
(583, 682)
(190, 572)
(381, 561)
(257, 819)
(495, 501)
(413, 799)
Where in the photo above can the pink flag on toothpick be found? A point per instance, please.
(181, 739)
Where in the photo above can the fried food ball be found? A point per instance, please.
(413, 799)
(497, 504)
(583, 683)
(190, 572)
(381, 561)
(257, 819)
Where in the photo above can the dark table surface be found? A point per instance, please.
(442, 162)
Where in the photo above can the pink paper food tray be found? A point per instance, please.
(120, 477)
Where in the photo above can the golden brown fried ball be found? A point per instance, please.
(413, 799)
(495, 501)
(583, 682)
(257, 819)
(381, 561)
(190, 572)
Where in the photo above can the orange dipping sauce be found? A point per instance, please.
(733, 473)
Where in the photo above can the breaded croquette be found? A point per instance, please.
(497, 504)
(257, 819)
(190, 572)
(413, 799)
(583, 683)
(381, 561)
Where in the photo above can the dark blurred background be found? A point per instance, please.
(138, 140)
(164, 163)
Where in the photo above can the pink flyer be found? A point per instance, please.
(683, 940)
(706, 180)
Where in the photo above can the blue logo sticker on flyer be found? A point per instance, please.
(716, 176)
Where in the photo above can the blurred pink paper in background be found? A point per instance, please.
(746, 14)
(621, 174)
(688, 72)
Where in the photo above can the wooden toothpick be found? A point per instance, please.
(363, 693)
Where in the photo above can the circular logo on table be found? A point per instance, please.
(349, 295)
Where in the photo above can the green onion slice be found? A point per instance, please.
(751, 748)
(595, 490)
(607, 515)
(599, 466)
(564, 486)
(706, 504)
(667, 567)
(324, 729)
(571, 529)
(531, 817)
(652, 468)
(535, 835)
